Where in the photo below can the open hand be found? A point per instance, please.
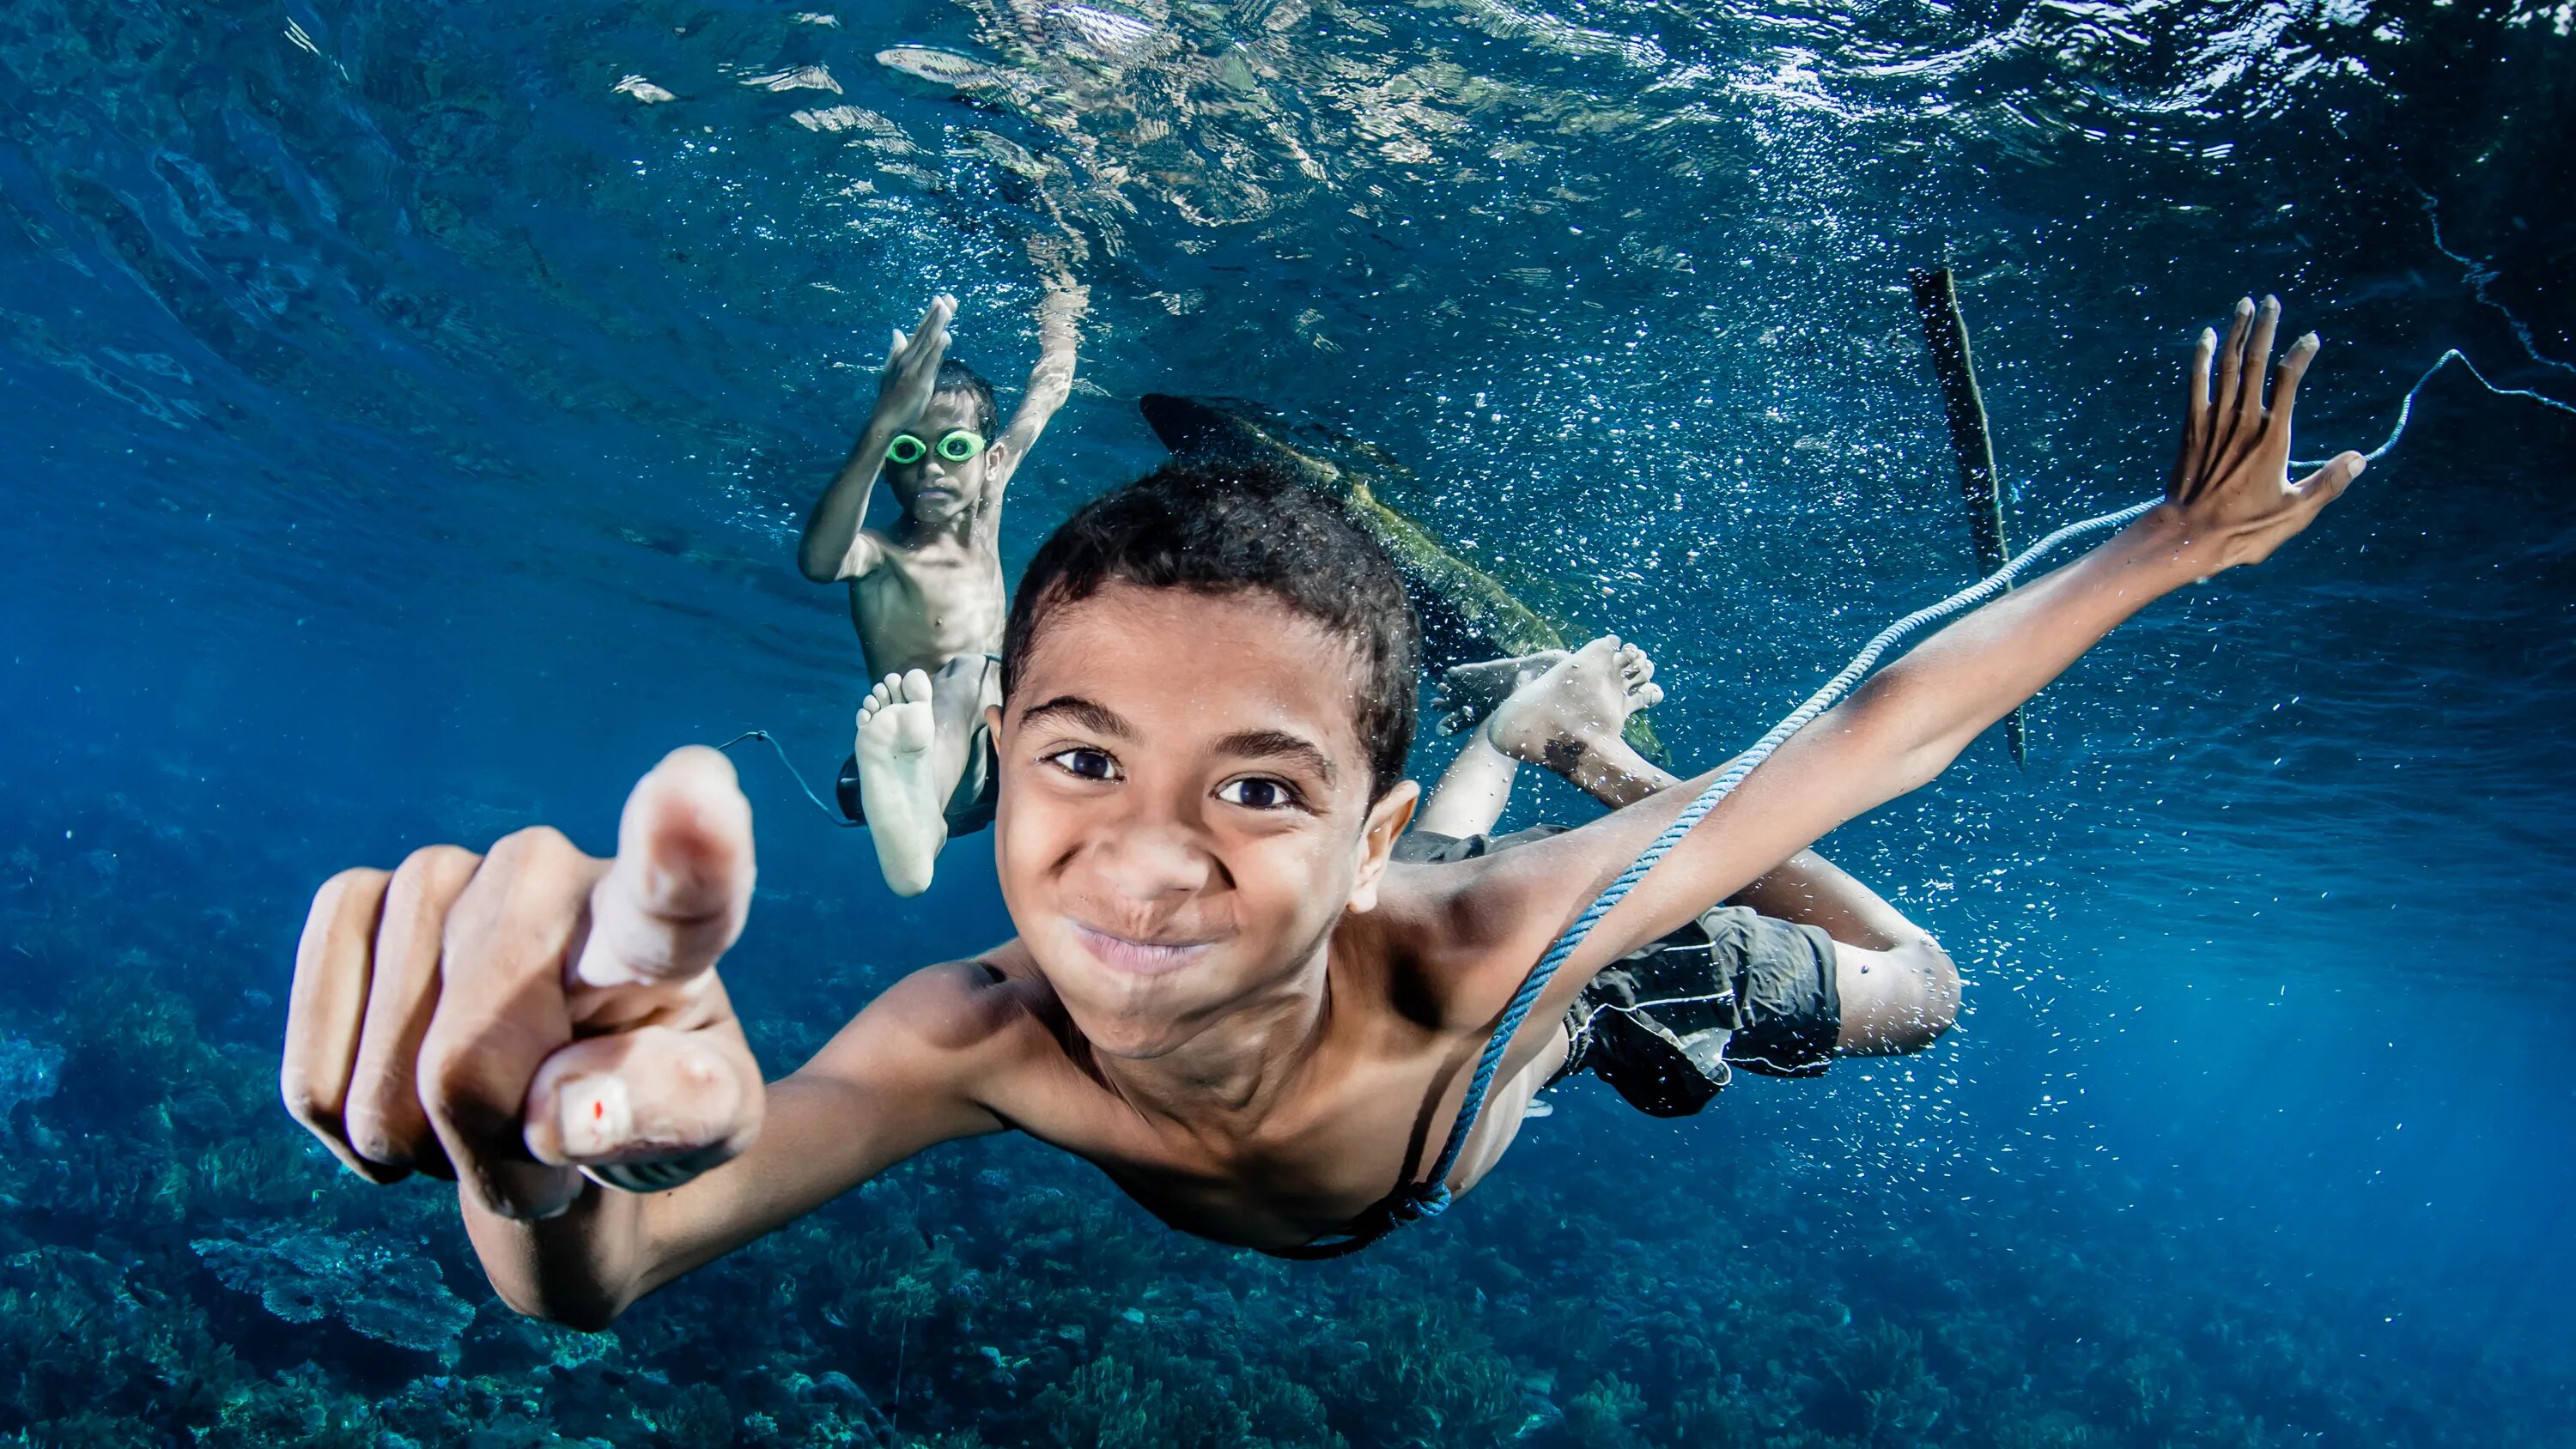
(911, 372)
(511, 1018)
(2231, 492)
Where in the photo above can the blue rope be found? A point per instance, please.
(1431, 1197)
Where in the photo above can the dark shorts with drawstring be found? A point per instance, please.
(1668, 1024)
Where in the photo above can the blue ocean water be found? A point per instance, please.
(404, 427)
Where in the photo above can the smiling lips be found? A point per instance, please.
(1139, 958)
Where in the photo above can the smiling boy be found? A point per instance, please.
(1225, 993)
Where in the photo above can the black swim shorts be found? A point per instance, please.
(1668, 1024)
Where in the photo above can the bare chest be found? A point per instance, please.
(1313, 1165)
(920, 608)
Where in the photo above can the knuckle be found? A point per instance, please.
(373, 1136)
(435, 865)
(307, 1106)
(449, 1088)
(531, 848)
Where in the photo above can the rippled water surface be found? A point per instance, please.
(406, 414)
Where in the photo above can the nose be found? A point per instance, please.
(1148, 865)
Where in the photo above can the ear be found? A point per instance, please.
(1386, 822)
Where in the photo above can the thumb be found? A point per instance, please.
(674, 899)
(2334, 477)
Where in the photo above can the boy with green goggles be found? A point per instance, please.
(926, 593)
(959, 445)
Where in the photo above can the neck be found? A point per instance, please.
(1227, 1079)
(913, 529)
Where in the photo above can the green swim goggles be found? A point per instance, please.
(958, 446)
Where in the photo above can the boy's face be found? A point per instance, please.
(1184, 811)
(935, 490)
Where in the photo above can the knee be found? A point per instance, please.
(1940, 976)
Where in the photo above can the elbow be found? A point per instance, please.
(1918, 764)
(1941, 991)
(815, 567)
(1936, 1008)
(590, 1311)
(1899, 1001)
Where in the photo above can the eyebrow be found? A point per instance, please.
(1279, 745)
(1090, 716)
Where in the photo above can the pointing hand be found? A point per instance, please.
(517, 1018)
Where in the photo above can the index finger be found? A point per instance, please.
(675, 898)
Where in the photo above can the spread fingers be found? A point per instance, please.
(2258, 361)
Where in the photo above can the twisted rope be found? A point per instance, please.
(1431, 1197)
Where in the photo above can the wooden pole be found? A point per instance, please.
(1945, 332)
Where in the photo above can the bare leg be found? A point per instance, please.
(1569, 718)
(1806, 887)
(1472, 792)
(913, 736)
(1899, 989)
(1469, 692)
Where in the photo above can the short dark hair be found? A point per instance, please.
(1224, 528)
(954, 377)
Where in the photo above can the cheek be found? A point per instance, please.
(1294, 885)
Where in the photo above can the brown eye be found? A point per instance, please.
(1256, 793)
(1085, 764)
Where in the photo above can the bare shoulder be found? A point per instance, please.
(1460, 936)
(869, 551)
(1477, 927)
(959, 1017)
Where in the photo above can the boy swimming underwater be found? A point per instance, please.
(1225, 992)
(926, 595)
(1802, 965)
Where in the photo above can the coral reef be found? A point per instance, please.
(302, 1276)
(178, 1265)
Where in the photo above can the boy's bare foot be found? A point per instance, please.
(1579, 702)
(1469, 692)
(906, 817)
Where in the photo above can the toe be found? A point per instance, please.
(916, 687)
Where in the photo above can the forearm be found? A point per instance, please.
(1894, 735)
(580, 1268)
(843, 509)
(1613, 773)
(1813, 891)
(1920, 712)
(1473, 791)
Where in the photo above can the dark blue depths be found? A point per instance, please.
(402, 433)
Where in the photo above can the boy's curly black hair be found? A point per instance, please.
(957, 377)
(1220, 528)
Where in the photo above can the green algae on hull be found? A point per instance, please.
(1480, 603)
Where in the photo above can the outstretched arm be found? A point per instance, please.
(1050, 382)
(2229, 502)
(520, 1019)
(892, 1084)
(834, 546)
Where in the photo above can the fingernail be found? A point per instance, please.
(2244, 305)
(593, 1115)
